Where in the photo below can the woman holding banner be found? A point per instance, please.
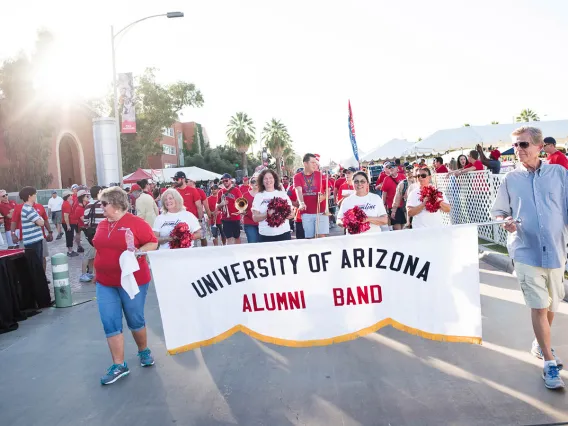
(416, 207)
(173, 212)
(370, 203)
(267, 183)
(117, 234)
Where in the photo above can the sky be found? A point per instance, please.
(409, 68)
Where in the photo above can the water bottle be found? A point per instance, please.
(129, 236)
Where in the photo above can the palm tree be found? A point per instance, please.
(241, 134)
(276, 138)
(494, 122)
(466, 125)
(289, 159)
(527, 115)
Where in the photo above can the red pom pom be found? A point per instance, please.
(434, 198)
(181, 236)
(281, 212)
(354, 221)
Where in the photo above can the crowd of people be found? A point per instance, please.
(115, 221)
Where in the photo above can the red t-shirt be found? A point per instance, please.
(78, 213)
(212, 202)
(294, 198)
(558, 158)
(247, 219)
(310, 188)
(5, 211)
(244, 188)
(442, 169)
(339, 182)
(111, 243)
(190, 196)
(478, 165)
(389, 188)
(380, 180)
(343, 187)
(202, 194)
(66, 208)
(231, 195)
(400, 169)
(17, 215)
(286, 188)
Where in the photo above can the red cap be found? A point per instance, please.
(495, 154)
(135, 187)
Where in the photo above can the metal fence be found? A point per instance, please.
(471, 197)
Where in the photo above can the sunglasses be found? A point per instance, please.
(4, 196)
(104, 203)
(253, 182)
(225, 180)
(522, 145)
(422, 175)
(359, 182)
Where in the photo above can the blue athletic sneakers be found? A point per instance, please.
(115, 372)
(551, 377)
(146, 358)
(537, 352)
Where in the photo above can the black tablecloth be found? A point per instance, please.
(23, 289)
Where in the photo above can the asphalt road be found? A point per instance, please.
(52, 364)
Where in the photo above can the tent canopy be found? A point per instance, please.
(392, 149)
(136, 176)
(166, 175)
(496, 135)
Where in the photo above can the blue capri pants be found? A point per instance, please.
(112, 301)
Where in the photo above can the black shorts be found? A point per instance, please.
(232, 228)
(300, 231)
(217, 230)
(282, 237)
(399, 217)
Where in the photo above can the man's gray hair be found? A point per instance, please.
(534, 133)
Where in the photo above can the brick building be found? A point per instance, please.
(173, 140)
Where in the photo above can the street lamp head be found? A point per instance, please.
(174, 14)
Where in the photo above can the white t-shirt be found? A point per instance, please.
(165, 223)
(371, 204)
(424, 219)
(54, 204)
(260, 204)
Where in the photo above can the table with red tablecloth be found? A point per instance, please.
(23, 287)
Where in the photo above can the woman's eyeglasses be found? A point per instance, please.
(359, 182)
(104, 203)
(522, 145)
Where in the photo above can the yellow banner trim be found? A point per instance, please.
(325, 342)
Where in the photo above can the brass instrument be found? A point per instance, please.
(327, 213)
(241, 205)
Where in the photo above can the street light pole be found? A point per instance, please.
(115, 88)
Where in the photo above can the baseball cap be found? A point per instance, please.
(549, 140)
(180, 175)
(245, 178)
(388, 164)
(66, 193)
(350, 170)
(74, 186)
(54, 192)
(226, 176)
(495, 154)
(2, 192)
(135, 187)
(82, 192)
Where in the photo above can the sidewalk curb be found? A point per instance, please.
(497, 260)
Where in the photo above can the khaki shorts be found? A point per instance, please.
(542, 288)
(90, 252)
(45, 248)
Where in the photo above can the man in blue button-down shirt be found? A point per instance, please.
(536, 193)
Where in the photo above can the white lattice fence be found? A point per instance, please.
(471, 197)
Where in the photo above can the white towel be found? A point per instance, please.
(129, 265)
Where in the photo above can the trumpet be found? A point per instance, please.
(241, 204)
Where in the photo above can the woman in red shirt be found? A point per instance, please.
(251, 227)
(69, 223)
(110, 241)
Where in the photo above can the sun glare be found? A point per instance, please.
(63, 76)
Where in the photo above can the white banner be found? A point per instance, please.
(318, 292)
(126, 102)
